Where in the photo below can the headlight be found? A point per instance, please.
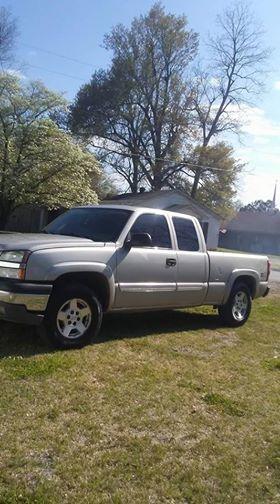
(10, 273)
(14, 256)
(13, 263)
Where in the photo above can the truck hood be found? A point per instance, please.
(37, 241)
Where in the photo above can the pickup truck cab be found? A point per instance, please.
(98, 259)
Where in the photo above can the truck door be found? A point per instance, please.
(193, 264)
(146, 275)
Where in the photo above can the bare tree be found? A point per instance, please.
(8, 34)
(141, 107)
(235, 76)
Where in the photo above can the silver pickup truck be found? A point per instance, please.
(98, 259)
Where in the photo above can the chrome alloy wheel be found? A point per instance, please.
(240, 306)
(73, 318)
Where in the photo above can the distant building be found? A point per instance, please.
(31, 218)
(252, 232)
(175, 201)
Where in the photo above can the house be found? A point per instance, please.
(253, 232)
(175, 201)
(29, 218)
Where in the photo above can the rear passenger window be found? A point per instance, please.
(156, 226)
(186, 234)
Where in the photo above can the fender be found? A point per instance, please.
(239, 273)
(59, 269)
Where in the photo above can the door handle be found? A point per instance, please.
(171, 262)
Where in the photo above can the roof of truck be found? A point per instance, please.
(136, 208)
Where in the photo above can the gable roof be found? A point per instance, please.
(142, 199)
(255, 222)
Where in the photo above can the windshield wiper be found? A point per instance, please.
(67, 234)
(77, 236)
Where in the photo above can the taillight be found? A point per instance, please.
(268, 268)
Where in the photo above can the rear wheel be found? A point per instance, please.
(73, 317)
(238, 307)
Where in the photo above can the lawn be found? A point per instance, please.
(164, 408)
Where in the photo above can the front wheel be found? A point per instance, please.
(238, 307)
(74, 317)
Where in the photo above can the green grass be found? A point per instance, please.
(166, 407)
(223, 404)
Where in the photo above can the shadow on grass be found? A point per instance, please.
(25, 341)
(137, 325)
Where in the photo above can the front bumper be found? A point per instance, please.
(23, 302)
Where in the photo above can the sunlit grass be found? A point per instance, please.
(165, 407)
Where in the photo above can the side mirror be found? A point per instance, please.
(139, 240)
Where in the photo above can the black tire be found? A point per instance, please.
(228, 312)
(86, 300)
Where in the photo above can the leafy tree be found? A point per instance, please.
(104, 186)
(103, 116)
(39, 163)
(235, 75)
(258, 206)
(8, 34)
(217, 187)
(140, 107)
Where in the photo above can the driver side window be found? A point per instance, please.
(156, 226)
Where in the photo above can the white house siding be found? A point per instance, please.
(213, 225)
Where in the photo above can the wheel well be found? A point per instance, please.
(95, 281)
(249, 281)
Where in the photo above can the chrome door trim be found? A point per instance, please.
(188, 286)
(147, 287)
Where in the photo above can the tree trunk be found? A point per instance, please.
(198, 171)
(157, 181)
(157, 184)
(196, 182)
(135, 176)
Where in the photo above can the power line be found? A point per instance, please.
(179, 163)
(57, 73)
(148, 158)
(58, 55)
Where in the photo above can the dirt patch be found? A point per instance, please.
(219, 342)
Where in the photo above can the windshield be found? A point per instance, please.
(97, 224)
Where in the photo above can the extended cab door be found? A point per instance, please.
(193, 262)
(146, 276)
